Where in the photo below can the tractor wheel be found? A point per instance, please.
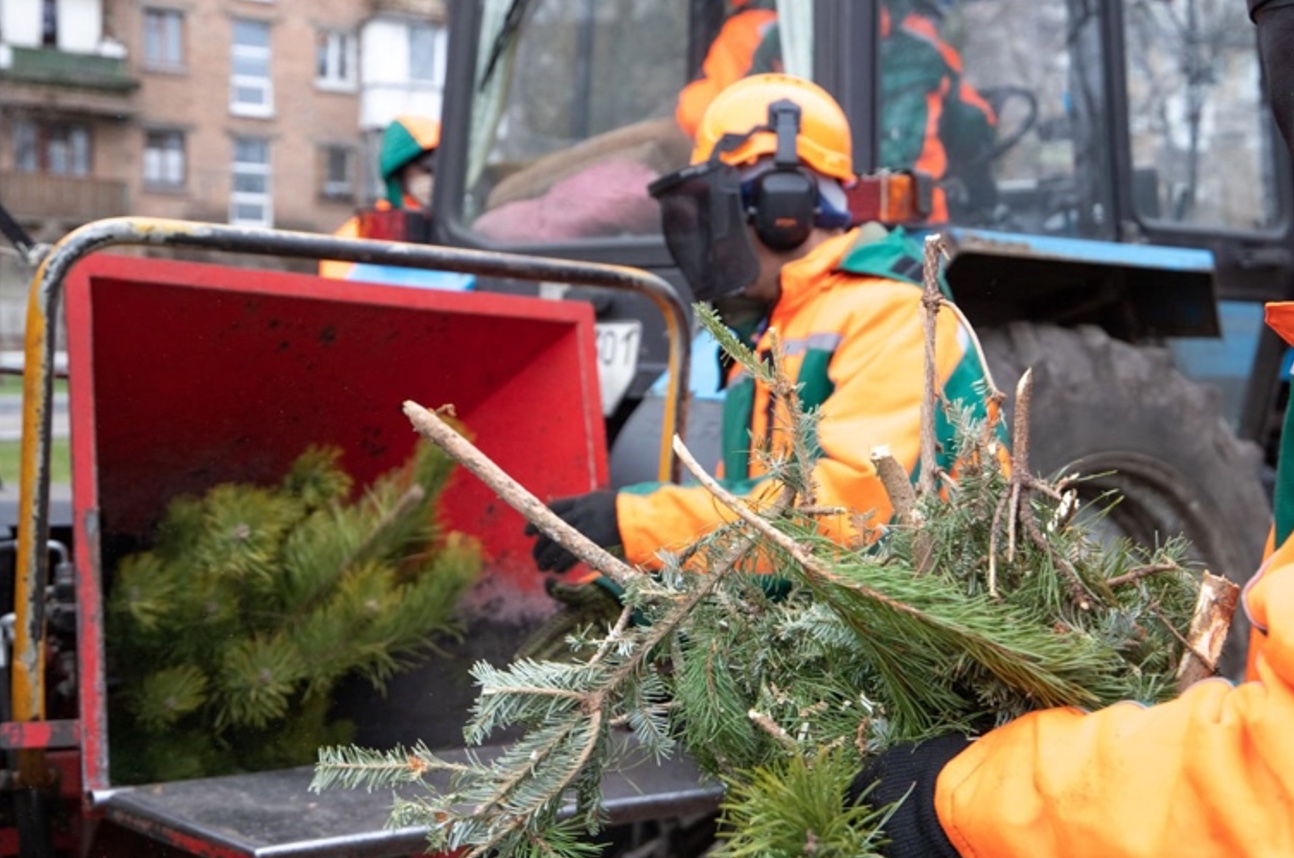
(1126, 416)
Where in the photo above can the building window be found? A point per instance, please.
(422, 53)
(58, 148)
(249, 201)
(335, 60)
(337, 172)
(251, 92)
(163, 39)
(164, 159)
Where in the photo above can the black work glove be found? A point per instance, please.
(592, 514)
(913, 830)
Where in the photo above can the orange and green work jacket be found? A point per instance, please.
(1210, 773)
(850, 324)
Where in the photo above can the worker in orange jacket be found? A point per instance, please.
(757, 224)
(406, 163)
(1210, 773)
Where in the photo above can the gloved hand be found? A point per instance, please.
(592, 514)
(913, 830)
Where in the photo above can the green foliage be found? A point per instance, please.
(995, 600)
(227, 638)
(791, 808)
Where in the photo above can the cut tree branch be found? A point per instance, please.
(515, 495)
(1209, 624)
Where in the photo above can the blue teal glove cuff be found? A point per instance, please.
(592, 514)
(913, 830)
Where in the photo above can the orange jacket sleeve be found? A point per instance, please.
(876, 371)
(727, 61)
(334, 268)
(1210, 773)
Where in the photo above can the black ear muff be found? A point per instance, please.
(785, 199)
(784, 203)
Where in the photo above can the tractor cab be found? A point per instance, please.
(1105, 175)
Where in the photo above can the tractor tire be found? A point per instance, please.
(1126, 416)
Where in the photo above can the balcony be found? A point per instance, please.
(61, 68)
(68, 198)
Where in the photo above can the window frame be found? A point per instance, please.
(162, 182)
(238, 80)
(163, 15)
(340, 51)
(42, 136)
(329, 188)
(251, 168)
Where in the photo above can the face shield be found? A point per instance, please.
(704, 220)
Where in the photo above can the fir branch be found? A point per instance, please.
(1008, 664)
(356, 768)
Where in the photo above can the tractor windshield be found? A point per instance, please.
(573, 116)
(1193, 98)
(1008, 105)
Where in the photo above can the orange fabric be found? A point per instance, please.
(335, 268)
(876, 400)
(727, 60)
(1208, 774)
(338, 270)
(933, 160)
(1257, 635)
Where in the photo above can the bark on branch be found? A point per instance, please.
(1209, 625)
(515, 495)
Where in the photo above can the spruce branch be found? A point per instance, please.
(1009, 665)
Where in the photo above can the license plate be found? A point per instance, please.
(617, 344)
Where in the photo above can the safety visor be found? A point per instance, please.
(704, 221)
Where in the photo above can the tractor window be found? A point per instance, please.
(1003, 102)
(574, 116)
(1197, 119)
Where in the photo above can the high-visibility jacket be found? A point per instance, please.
(726, 61)
(851, 328)
(335, 268)
(1210, 773)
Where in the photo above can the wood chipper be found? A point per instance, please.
(182, 375)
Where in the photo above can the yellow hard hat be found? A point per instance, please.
(824, 143)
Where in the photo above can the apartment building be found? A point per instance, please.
(252, 112)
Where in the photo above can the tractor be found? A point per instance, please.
(1118, 236)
